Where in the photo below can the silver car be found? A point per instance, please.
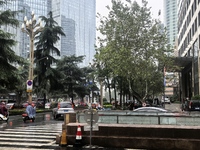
(62, 108)
(150, 109)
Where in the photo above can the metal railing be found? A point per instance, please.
(124, 117)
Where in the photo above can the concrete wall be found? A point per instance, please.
(157, 137)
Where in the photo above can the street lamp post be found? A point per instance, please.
(31, 28)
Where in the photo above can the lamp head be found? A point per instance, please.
(23, 25)
(27, 23)
(25, 18)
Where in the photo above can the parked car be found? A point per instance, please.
(24, 105)
(156, 111)
(167, 100)
(10, 105)
(191, 105)
(150, 109)
(153, 111)
(40, 103)
(62, 108)
(48, 105)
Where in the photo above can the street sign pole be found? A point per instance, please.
(91, 124)
(91, 118)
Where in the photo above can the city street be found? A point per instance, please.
(175, 107)
(40, 135)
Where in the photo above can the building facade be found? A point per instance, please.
(188, 46)
(40, 8)
(170, 22)
(78, 20)
(170, 19)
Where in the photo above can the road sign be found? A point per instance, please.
(29, 84)
(144, 104)
(94, 127)
(91, 116)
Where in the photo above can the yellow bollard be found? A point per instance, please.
(63, 141)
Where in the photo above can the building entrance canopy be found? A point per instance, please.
(181, 62)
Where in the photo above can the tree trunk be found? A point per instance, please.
(44, 100)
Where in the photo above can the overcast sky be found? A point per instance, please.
(155, 5)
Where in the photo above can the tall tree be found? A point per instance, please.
(132, 45)
(8, 59)
(44, 55)
(72, 80)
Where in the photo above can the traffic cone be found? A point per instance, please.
(78, 142)
(63, 141)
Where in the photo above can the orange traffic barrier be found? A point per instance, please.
(78, 142)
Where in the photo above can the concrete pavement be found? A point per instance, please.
(175, 107)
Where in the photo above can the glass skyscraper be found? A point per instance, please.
(40, 8)
(78, 20)
(170, 19)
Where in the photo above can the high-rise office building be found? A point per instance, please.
(170, 22)
(78, 20)
(170, 19)
(188, 46)
(39, 7)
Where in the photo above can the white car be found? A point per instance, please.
(10, 105)
(47, 105)
(62, 108)
(167, 100)
(150, 109)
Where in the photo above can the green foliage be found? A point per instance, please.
(108, 106)
(21, 111)
(196, 97)
(131, 47)
(8, 59)
(47, 75)
(73, 78)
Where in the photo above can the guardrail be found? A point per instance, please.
(125, 117)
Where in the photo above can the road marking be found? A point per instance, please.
(40, 137)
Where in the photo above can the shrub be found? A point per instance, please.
(107, 106)
(196, 97)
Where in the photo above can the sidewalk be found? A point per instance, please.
(175, 107)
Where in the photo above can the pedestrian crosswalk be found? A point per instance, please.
(40, 137)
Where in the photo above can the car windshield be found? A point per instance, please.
(65, 105)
